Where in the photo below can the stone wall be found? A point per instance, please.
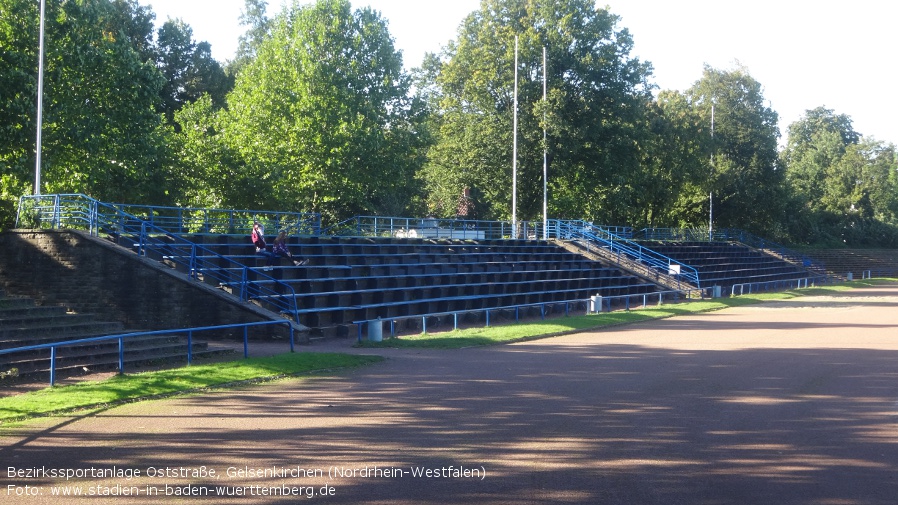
(92, 275)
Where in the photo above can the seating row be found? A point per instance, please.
(337, 313)
(726, 264)
(222, 244)
(348, 280)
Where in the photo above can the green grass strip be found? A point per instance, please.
(557, 326)
(131, 387)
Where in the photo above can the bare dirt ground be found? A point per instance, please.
(790, 402)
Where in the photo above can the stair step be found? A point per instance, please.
(68, 331)
(48, 338)
(15, 302)
(88, 348)
(14, 315)
(174, 351)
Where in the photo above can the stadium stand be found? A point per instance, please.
(728, 263)
(362, 278)
(385, 267)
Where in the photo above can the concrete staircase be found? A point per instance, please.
(24, 323)
(841, 262)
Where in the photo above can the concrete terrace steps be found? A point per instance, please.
(24, 323)
(350, 278)
(333, 296)
(36, 335)
(727, 264)
(105, 355)
(840, 262)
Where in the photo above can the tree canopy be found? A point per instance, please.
(596, 101)
(315, 113)
(843, 188)
(320, 118)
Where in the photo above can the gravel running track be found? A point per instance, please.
(787, 402)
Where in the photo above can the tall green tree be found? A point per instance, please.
(18, 91)
(134, 22)
(674, 148)
(815, 142)
(747, 184)
(210, 172)
(258, 26)
(596, 105)
(188, 68)
(321, 117)
(101, 135)
(842, 186)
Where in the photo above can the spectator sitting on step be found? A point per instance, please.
(258, 239)
(280, 250)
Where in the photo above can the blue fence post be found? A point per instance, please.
(455, 321)
(94, 225)
(424, 324)
(189, 347)
(193, 274)
(55, 212)
(245, 341)
(487, 318)
(290, 327)
(52, 366)
(121, 355)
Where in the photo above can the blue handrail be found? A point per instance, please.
(599, 237)
(431, 227)
(687, 294)
(77, 211)
(223, 221)
(175, 219)
(122, 336)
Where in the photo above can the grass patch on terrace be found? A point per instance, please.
(139, 386)
(556, 326)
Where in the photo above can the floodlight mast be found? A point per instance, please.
(711, 193)
(514, 154)
(40, 105)
(545, 158)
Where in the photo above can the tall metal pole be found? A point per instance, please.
(514, 155)
(545, 158)
(711, 193)
(40, 105)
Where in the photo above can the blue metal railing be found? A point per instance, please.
(76, 211)
(747, 288)
(223, 221)
(122, 336)
(603, 301)
(37, 212)
(405, 227)
(597, 237)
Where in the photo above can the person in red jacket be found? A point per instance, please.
(258, 239)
